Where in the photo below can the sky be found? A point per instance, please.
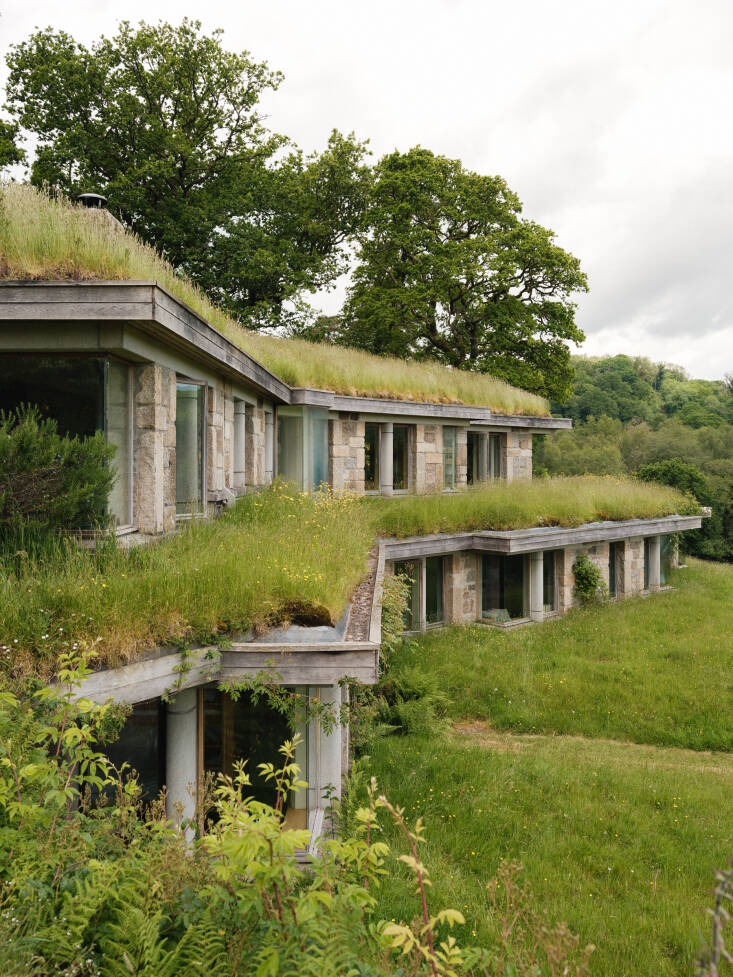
(611, 121)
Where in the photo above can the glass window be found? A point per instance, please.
(400, 439)
(142, 744)
(302, 446)
(449, 457)
(615, 557)
(647, 561)
(434, 590)
(189, 447)
(502, 587)
(665, 560)
(290, 446)
(473, 461)
(495, 455)
(247, 729)
(549, 575)
(371, 457)
(410, 569)
(83, 394)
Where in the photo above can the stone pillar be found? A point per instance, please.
(654, 562)
(239, 445)
(181, 755)
(536, 603)
(154, 448)
(330, 746)
(269, 446)
(483, 458)
(386, 459)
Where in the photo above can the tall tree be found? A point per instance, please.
(10, 151)
(449, 269)
(165, 122)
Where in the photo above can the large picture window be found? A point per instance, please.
(400, 457)
(449, 458)
(190, 404)
(502, 587)
(371, 457)
(302, 446)
(83, 394)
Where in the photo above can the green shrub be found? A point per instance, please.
(50, 482)
(589, 582)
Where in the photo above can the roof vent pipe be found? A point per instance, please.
(95, 201)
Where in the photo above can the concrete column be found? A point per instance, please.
(386, 458)
(269, 446)
(483, 458)
(181, 755)
(330, 746)
(536, 603)
(240, 441)
(654, 562)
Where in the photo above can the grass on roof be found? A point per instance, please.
(44, 238)
(278, 555)
(521, 505)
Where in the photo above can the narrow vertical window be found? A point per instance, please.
(549, 562)
(399, 457)
(117, 424)
(410, 570)
(665, 559)
(614, 558)
(371, 457)
(494, 456)
(449, 458)
(434, 590)
(189, 448)
(647, 561)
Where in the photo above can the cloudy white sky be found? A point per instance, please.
(612, 121)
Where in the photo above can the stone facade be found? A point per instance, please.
(254, 426)
(426, 458)
(461, 457)
(516, 460)
(460, 588)
(220, 442)
(633, 562)
(154, 448)
(346, 455)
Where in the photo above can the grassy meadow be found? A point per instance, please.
(548, 753)
(52, 239)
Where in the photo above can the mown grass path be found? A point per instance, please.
(619, 835)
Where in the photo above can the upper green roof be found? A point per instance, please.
(44, 238)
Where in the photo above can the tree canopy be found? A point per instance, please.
(165, 122)
(10, 151)
(448, 268)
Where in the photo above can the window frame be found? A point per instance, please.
(187, 381)
(449, 485)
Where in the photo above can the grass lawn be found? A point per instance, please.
(619, 841)
(550, 755)
(656, 670)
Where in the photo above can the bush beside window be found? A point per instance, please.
(47, 481)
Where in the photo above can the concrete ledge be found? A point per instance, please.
(536, 538)
(285, 665)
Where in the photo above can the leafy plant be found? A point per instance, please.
(50, 482)
(589, 582)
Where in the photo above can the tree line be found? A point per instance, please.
(167, 123)
(632, 416)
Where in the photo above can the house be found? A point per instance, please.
(196, 422)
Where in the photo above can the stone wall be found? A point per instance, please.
(254, 426)
(346, 455)
(517, 455)
(596, 552)
(461, 457)
(426, 458)
(633, 567)
(154, 448)
(461, 588)
(220, 442)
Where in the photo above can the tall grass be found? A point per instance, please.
(521, 505)
(43, 238)
(277, 556)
